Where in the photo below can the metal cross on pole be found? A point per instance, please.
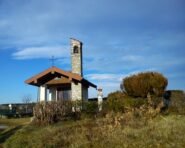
(53, 61)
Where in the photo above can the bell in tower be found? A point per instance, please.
(76, 56)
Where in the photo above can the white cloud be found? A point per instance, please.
(109, 82)
(109, 77)
(130, 42)
(3, 23)
(131, 58)
(41, 52)
(108, 87)
(100, 77)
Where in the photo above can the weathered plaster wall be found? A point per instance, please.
(52, 93)
(43, 93)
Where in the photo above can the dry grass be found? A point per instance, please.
(115, 130)
(13, 125)
(14, 121)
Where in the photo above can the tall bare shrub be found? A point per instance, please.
(50, 112)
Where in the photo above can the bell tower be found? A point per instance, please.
(76, 62)
(76, 56)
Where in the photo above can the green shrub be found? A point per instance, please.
(119, 101)
(141, 84)
(115, 101)
(130, 102)
(90, 107)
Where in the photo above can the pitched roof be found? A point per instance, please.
(53, 72)
(62, 80)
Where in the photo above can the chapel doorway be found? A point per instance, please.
(64, 95)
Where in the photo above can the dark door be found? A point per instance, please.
(64, 95)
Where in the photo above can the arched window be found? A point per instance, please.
(75, 49)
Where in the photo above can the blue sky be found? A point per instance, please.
(121, 37)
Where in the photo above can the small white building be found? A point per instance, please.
(57, 84)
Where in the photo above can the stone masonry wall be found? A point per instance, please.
(76, 91)
(76, 58)
(76, 64)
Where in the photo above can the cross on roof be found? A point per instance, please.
(53, 60)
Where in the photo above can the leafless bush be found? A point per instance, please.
(27, 101)
(46, 113)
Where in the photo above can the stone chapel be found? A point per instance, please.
(57, 84)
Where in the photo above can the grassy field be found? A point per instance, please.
(14, 121)
(162, 131)
(139, 128)
(13, 125)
